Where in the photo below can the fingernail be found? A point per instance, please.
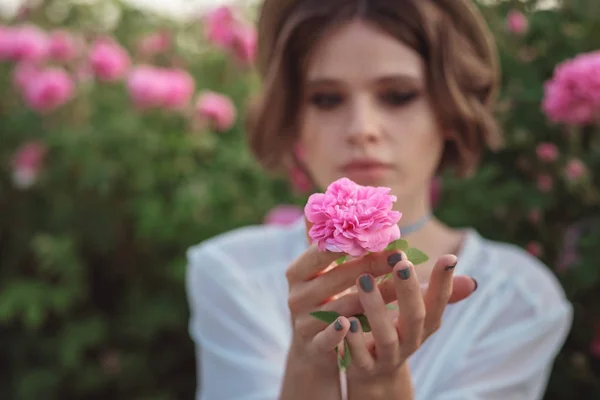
(450, 267)
(404, 273)
(353, 325)
(394, 259)
(366, 283)
(338, 325)
(476, 284)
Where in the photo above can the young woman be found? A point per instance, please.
(385, 93)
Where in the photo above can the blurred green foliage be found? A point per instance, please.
(92, 302)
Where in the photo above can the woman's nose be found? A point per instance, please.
(363, 126)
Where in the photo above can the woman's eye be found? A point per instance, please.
(396, 98)
(325, 100)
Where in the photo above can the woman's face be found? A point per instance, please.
(366, 115)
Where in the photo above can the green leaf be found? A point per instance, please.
(364, 322)
(399, 244)
(391, 307)
(341, 260)
(325, 316)
(344, 362)
(416, 256)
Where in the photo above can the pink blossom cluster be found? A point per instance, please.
(224, 30)
(516, 22)
(352, 219)
(572, 96)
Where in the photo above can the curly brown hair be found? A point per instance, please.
(451, 36)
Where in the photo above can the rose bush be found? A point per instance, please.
(113, 161)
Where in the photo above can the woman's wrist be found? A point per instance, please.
(308, 380)
(397, 386)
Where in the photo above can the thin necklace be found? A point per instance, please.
(405, 230)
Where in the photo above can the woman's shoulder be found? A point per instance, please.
(511, 270)
(256, 248)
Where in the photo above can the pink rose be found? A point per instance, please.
(435, 191)
(283, 215)
(23, 73)
(575, 169)
(219, 26)
(516, 22)
(352, 219)
(23, 43)
(534, 248)
(547, 152)
(545, 183)
(27, 163)
(109, 60)
(216, 109)
(180, 88)
(48, 89)
(534, 216)
(152, 87)
(300, 182)
(63, 46)
(572, 96)
(154, 43)
(244, 43)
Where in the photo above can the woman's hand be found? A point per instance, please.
(312, 361)
(378, 368)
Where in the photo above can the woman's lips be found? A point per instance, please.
(365, 170)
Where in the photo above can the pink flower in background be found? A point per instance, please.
(154, 43)
(283, 215)
(49, 89)
(435, 190)
(146, 86)
(217, 109)
(63, 46)
(219, 26)
(575, 169)
(534, 216)
(180, 88)
(23, 73)
(572, 96)
(534, 248)
(27, 163)
(244, 43)
(109, 60)
(300, 182)
(547, 152)
(595, 344)
(352, 219)
(545, 183)
(23, 43)
(516, 22)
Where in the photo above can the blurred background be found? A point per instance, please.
(121, 145)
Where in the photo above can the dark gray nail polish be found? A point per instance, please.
(404, 273)
(338, 325)
(450, 267)
(353, 325)
(394, 259)
(476, 284)
(366, 283)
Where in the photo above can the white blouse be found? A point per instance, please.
(499, 344)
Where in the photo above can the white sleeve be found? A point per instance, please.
(236, 323)
(514, 350)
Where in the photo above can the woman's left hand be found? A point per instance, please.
(379, 365)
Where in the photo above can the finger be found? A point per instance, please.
(462, 287)
(308, 225)
(310, 263)
(341, 278)
(361, 356)
(438, 293)
(330, 337)
(412, 308)
(382, 328)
